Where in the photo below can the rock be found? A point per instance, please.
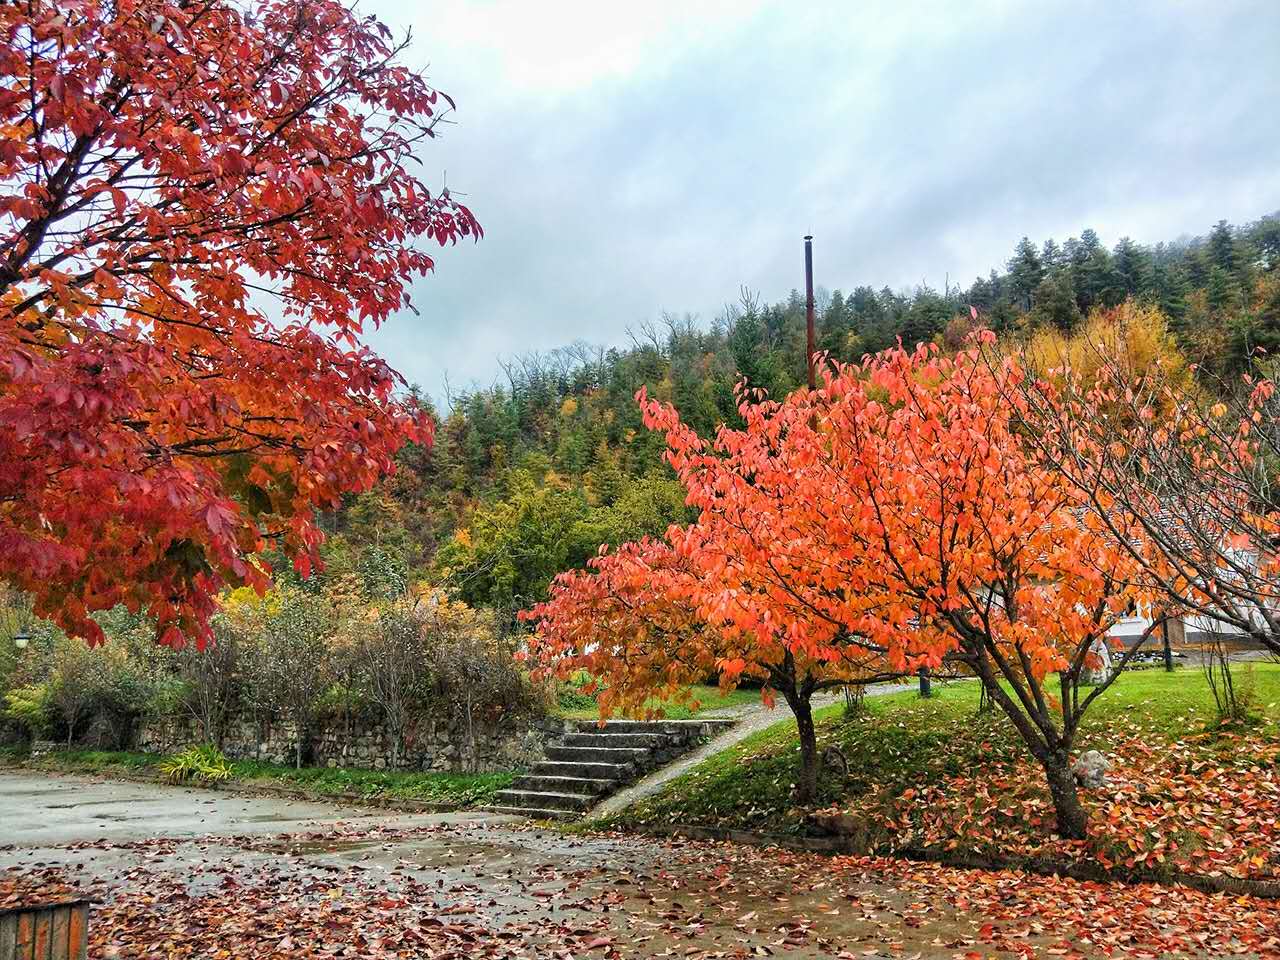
(1100, 671)
(839, 824)
(1090, 770)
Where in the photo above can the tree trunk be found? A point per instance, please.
(1072, 819)
(1054, 756)
(1168, 648)
(807, 783)
(926, 689)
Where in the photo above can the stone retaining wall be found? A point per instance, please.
(446, 745)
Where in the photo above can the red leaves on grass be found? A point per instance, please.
(1208, 805)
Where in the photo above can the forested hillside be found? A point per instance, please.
(528, 477)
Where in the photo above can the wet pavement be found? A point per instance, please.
(211, 873)
(125, 838)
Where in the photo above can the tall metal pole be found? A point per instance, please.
(808, 308)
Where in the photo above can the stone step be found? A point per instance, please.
(554, 784)
(597, 754)
(591, 771)
(592, 760)
(613, 740)
(533, 813)
(544, 800)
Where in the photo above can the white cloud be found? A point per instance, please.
(629, 158)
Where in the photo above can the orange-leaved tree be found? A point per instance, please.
(982, 553)
(754, 588)
(203, 205)
(891, 520)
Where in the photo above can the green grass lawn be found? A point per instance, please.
(901, 743)
(463, 789)
(576, 705)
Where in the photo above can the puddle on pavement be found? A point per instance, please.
(267, 818)
(98, 803)
(299, 847)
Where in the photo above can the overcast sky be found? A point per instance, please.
(630, 158)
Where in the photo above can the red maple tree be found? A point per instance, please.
(203, 205)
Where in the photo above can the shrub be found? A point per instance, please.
(289, 658)
(30, 709)
(203, 764)
(570, 695)
(395, 668)
(212, 680)
(473, 667)
(1234, 699)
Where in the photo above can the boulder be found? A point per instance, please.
(838, 824)
(1091, 769)
(1100, 667)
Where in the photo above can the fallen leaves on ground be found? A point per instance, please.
(447, 892)
(1204, 804)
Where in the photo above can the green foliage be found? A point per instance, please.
(15, 617)
(105, 762)
(30, 708)
(203, 764)
(462, 789)
(574, 700)
(513, 547)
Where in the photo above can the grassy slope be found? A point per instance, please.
(902, 743)
(464, 789)
(708, 699)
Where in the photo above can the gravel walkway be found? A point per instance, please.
(750, 720)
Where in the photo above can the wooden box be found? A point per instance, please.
(45, 931)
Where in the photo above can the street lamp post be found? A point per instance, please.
(810, 347)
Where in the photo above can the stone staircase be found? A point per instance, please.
(591, 761)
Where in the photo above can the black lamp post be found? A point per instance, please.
(21, 639)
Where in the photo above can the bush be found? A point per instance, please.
(30, 709)
(289, 658)
(570, 695)
(394, 669)
(292, 655)
(204, 764)
(473, 667)
(212, 679)
(1234, 699)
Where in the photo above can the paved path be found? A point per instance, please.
(195, 874)
(219, 873)
(751, 720)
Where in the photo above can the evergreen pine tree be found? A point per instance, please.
(1025, 273)
(1133, 268)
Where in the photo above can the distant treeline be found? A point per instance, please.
(529, 476)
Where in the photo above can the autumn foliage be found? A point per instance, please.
(891, 520)
(1183, 482)
(203, 205)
